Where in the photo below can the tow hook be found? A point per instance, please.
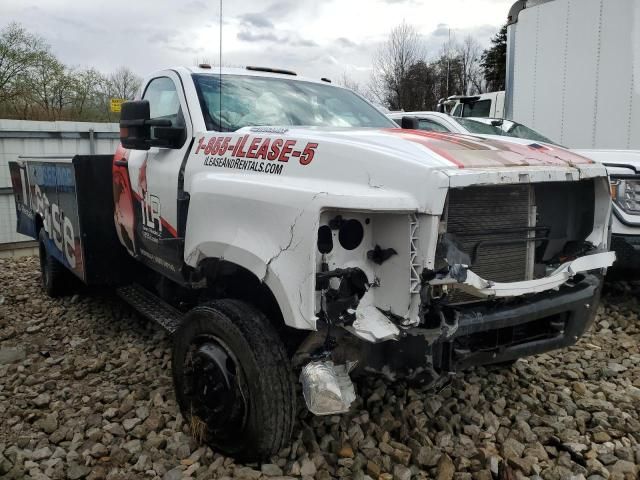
(327, 388)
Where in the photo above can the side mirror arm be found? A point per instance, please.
(140, 122)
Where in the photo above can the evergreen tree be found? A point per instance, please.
(494, 61)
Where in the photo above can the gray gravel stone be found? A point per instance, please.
(42, 400)
(11, 355)
(400, 472)
(75, 471)
(41, 454)
(129, 423)
(173, 474)
(271, 470)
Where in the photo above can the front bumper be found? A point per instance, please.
(468, 281)
(544, 322)
(488, 332)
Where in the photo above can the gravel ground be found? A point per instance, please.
(85, 392)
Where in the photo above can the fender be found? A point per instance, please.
(270, 229)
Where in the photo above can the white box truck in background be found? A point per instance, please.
(573, 74)
(573, 71)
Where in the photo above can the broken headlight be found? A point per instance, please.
(327, 388)
(626, 194)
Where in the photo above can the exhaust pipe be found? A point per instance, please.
(327, 388)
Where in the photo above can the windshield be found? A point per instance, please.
(480, 108)
(491, 126)
(266, 101)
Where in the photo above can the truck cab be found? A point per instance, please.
(488, 105)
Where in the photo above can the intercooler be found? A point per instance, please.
(495, 226)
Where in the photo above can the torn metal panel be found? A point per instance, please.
(468, 281)
(373, 326)
(515, 175)
(282, 249)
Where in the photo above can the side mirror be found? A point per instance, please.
(136, 128)
(410, 123)
(134, 133)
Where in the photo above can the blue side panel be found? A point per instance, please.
(47, 189)
(26, 224)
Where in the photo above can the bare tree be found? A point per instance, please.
(469, 52)
(50, 88)
(123, 83)
(392, 62)
(35, 85)
(87, 96)
(19, 52)
(346, 81)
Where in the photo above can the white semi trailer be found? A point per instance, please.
(573, 74)
(573, 71)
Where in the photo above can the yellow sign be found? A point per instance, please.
(116, 104)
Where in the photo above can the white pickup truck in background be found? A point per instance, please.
(623, 167)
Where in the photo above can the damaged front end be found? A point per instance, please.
(504, 271)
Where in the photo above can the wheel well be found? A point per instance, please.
(228, 280)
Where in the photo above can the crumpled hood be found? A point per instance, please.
(446, 149)
(485, 151)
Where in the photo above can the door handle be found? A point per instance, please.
(120, 163)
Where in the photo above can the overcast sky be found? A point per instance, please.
(313, 37)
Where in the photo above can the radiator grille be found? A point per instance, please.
(490, 224)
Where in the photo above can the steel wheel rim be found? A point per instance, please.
(216, 389)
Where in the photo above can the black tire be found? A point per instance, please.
(56, 280)
(253, 419)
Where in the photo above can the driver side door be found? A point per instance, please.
(154, 176)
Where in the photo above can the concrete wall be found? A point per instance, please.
(22, 137)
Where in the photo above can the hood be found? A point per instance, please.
(415, 166)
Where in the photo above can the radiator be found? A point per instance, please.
(491, 224)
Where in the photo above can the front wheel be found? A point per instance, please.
(233, 380)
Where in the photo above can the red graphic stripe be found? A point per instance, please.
(169, 228)
(444, 153)
(418, 136)
(467, 141)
